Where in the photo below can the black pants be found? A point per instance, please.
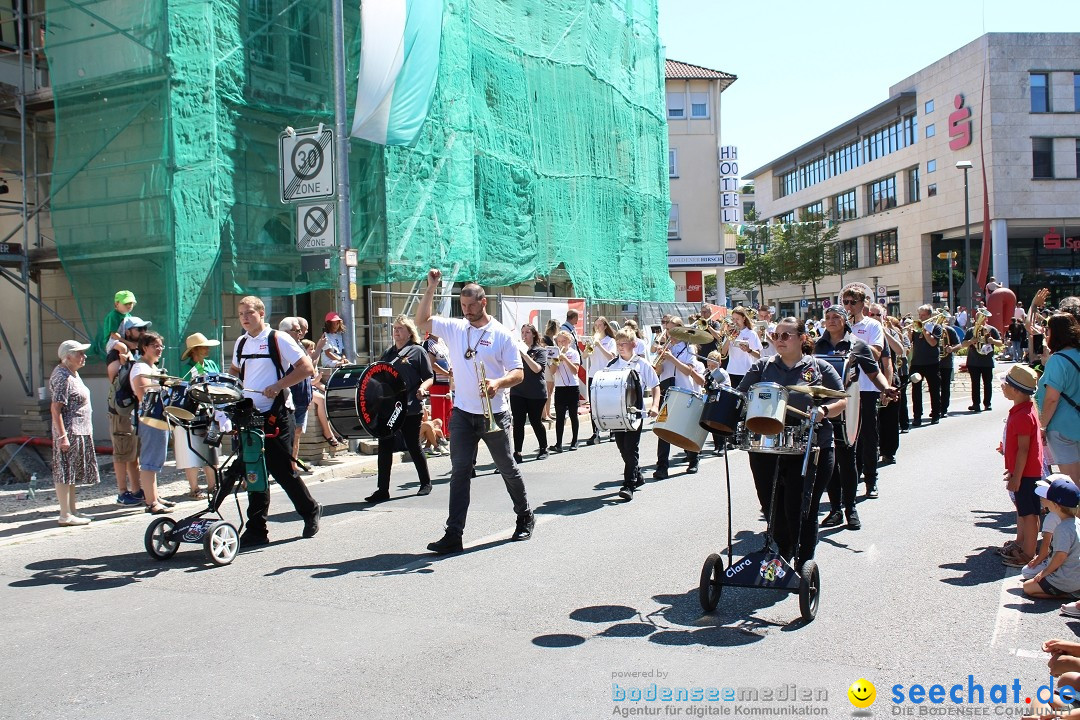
(905, 415)
(410, 432)
(945, 384)
(866, 450)
(531, 409)
(932, 382)
(278, 455)
(628, 443)
(789, 498)
(981, 377)
(844, 484)
(888, 429)
(566, 402)
(663, 447)
(592, 413)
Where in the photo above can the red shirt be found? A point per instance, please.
(1023, 420)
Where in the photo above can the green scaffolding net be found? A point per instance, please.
(545, 146)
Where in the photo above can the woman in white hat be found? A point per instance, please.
(196, 358)
(73, 461)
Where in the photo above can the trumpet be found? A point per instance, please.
(659, 363)
(485, 400)
(590, 345)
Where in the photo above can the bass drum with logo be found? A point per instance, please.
(615, 399)
(366, 401)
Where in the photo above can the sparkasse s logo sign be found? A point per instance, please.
(1053, 241)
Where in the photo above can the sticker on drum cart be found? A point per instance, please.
(772, 570)
(196, 530)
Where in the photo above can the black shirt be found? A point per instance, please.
(975, 358)
(706, 348)
(807, 371)
(533, 386)
(851, 346)
(924, 353)
(415, 367)
(952, 338)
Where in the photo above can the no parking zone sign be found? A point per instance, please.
(315, 228)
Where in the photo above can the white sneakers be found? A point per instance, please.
(72, 520)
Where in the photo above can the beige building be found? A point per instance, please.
(695, 227)
(1009, 104)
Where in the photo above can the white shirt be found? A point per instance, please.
(644, 371)
(494, 347)
(141, 368)
(962, 318)
(260, 373)
(872, 333)
(770, 349)
(563, 376)
(685, 381)
(639, 347)
(739, 360)
(681, 352)
(597, 360)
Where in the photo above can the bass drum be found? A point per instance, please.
(846, 426)
(615, 398)
(366, 402)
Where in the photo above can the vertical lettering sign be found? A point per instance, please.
(730, 201)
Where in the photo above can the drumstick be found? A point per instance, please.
(798, 412)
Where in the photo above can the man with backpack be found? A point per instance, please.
(260, 357)
(120, 358)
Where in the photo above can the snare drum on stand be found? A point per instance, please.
(152, 409)
(766, 408)
(723, 410)
(679, 421)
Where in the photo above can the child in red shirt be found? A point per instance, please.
(1023, 460)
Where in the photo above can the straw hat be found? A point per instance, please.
(197, 340)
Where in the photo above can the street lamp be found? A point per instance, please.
(965, 165)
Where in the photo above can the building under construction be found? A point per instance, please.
(140, 152)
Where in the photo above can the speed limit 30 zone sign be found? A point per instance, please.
(306, 164)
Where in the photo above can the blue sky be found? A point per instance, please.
(806, 67)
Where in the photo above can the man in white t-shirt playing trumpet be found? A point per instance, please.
(478, 344)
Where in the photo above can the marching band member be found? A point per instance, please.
(627, 441)
(602, 347)
(689, 375)
(716, 376)
(949, 338)
(566, 390)
(407, 355)
(980, 364)
(668, 354)
(639, 343)
(742, 349)
(477, 342)
(764, 315)
(924, 360)
(529, 399)
(888, 410)
(791, 366)
(872, 333)
(844, 483)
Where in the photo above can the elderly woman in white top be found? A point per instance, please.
(73, 461)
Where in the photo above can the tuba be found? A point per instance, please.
(980, 334)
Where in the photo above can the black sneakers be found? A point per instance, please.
(446, 544)
(660, 474)
(424, 490)
(692, 469)
(311, 524)
(853, 522)
(833, 519)
(626, 492)
(378, 496)
(251, 539)
(525, 524)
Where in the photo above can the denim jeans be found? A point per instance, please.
(467, 430)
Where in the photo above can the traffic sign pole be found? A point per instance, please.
(347, 289)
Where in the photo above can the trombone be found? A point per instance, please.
(485, 400)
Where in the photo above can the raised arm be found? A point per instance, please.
(423, 310)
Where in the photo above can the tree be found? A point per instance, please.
(808, 248)
(758, 268)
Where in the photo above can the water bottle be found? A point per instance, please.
(30, 491)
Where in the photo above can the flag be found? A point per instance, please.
(399, 64)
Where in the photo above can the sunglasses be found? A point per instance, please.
(874, 314)
(851, 301)
(784, 336)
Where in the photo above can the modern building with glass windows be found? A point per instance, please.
(1008, 103)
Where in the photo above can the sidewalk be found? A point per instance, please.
(23, 517)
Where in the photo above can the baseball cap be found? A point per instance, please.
(1060, 490)
(70, 346)
(332, 316)
(124, 297)
(837, 309)
(133, 322)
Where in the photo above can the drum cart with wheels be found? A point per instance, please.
(766, 569)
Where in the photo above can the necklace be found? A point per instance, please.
(471, 352)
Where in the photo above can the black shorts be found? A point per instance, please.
(1027, 502)
(1053, 591)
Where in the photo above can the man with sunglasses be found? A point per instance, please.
(925, 360)
(871, 332)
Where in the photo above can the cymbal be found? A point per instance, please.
(817, 391)
(694, 336)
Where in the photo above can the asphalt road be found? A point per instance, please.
(362, 622)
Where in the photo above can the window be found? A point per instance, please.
(786, 219)
(1040, 92)
(673, 222)
(928, 107)
(261, 44)
(931, 131)
(814, 210)
(913, 184)
(673, 163)
(843, 206)
(847, 255)
(1076, 92)
(676, 105)
(931, 166)
(1042, 157)
(885, 248)
(890, 138)
(881, 195)
(788, 183)
(931, 190)
(845, 158)
(699, 105)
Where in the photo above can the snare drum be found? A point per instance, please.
(217, 389)
(679, 421)
(791, 441)
(180, 407)
(152, 409)
(615, 399)
(723, 410)
(366, 402)
(766, 408)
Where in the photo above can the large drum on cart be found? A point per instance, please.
(366, 401)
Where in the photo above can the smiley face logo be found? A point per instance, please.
(862, 693)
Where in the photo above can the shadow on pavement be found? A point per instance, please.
(385, 564)
(108, 571)
(1003, 521)
(982, 566)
